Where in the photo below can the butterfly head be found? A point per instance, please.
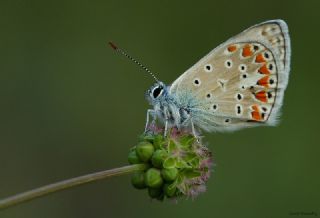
(157, 92)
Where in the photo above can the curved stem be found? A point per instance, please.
(69, 183)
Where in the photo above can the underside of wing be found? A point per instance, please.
(241, 83)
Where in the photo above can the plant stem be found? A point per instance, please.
(69, 183)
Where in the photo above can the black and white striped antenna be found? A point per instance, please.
(132, 59)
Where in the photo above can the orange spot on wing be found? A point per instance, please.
(264, 69)
(255, 108)
(264, 81)
(261, 96)
(232, 48)
(256, 113)
(246, 51)
(260, 58)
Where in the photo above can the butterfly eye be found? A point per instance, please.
(157, 92)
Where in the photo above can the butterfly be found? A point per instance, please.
(239, 84)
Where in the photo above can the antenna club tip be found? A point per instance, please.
(113, 45)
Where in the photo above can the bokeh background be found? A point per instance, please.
(70, 105)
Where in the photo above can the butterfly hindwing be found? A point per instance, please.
(240, 83)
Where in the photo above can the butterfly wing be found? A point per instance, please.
(241, 83)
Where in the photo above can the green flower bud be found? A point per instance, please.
(169, 190)
(169, 174)
(144, 151)
(158, 158)
(155, 192)
(133, 157)
(158, 141)
(149, 138)
(137, 180)
(169, 163)
(153, 178)
(187, 140)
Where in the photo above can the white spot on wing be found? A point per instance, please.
(243, 68)
(238, 109)
(243, 76)
(208, 68)
(214, 107)
(196, 82)
(228, 63)
(238, 96)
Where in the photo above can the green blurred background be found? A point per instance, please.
(70, 106)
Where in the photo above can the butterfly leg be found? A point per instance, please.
(152, 113)
(165, 128)
(194, 131)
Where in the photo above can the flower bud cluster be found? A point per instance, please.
(179, 165)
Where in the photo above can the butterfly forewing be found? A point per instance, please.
(240, 83)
